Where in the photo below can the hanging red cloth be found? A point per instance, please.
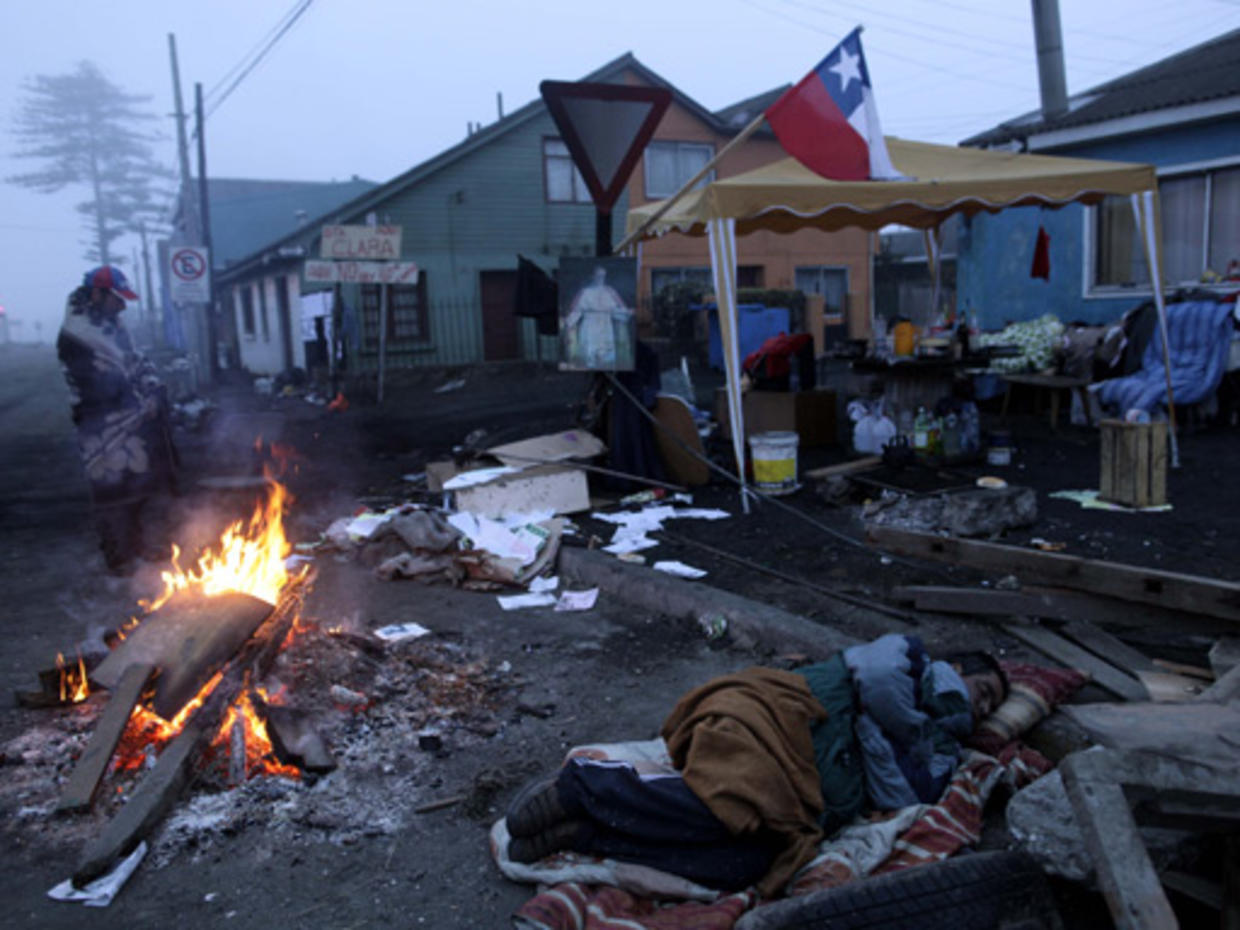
(1041, 256)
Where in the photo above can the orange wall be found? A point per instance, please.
(779, 254)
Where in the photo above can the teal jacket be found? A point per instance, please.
(893, 726)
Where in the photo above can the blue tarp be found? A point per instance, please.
(756, 323)
(1199, 334)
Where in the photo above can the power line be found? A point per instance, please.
(281, 32)
(228, 75)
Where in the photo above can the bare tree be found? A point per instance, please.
(85, 131)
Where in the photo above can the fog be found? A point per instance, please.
(373, 87)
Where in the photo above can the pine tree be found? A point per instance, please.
(87, 132)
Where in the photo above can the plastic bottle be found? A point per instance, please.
(921, 432)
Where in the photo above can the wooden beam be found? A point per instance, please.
(1125, 873)
(1191, 593)
(79, 791)
(1108, 647)
(163, 784)
(1073, 656)
(844, 468)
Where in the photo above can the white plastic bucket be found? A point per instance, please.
(774, 461)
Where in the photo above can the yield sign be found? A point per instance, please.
(606, 127)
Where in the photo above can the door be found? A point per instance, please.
(501, 336)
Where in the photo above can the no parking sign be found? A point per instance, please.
(190, 274)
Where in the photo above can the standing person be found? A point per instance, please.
(768, 763)
(120, 411)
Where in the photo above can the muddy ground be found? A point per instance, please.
(504, 693)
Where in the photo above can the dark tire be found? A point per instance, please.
(978, 891)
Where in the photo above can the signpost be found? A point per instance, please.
(190, 274)
(363, 255)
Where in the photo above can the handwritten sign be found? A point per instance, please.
(360, 243)
(361, 272)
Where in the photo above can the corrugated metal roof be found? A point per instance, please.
(1209, 71)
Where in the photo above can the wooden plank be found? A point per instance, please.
(845, 468)
(1107, 455)
(679, 443)
(162, 785)
(1108, 647)
(1073, 656)
(79, 791)
(1191, 593)
(1180, 668)
(1169, 688)
(1050, 604)
(189, 640)
(1223, 690)
(1125, 873)
(1158, 464)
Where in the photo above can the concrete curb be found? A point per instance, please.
(751, 624)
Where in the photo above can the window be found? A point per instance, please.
(1200, 231)
(670, 164)
(831, 283)
(564, 183)
(262, 310)
(247, 310)
(750, 275)
(408, 318)
(662, 277)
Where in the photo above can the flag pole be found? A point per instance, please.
(688, 185)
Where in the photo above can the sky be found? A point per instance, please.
(373, 87)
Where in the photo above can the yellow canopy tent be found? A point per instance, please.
(942, 180)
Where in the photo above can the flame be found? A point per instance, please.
(73, 685)
(260, 757)
(249, 558)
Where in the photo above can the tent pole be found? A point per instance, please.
(688, 185)
(722, 236)
(1143, 206)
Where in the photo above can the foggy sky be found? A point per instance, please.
(372, 87)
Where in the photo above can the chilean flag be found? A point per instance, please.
(829, 122)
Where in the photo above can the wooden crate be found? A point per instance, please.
(1134, 463)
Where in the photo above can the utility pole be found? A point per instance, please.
(205, 213)
(189, 214)
(154, 305)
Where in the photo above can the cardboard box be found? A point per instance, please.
(557, 488)
(810, 414)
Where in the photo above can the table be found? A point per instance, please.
(1053, 384)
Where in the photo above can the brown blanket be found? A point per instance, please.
(742, 743)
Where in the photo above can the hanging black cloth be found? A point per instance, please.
(537, 296)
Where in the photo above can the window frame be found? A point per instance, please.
(580, 196)
(397, 337)
(708, 149)
(1206, 170)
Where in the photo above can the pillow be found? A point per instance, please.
(1033, 693)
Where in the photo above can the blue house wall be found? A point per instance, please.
(996, 250)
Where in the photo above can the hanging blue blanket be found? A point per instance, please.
(1199, 333)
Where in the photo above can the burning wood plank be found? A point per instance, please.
(79, 792)
(188, 640)
(161, 786)
(295, 741)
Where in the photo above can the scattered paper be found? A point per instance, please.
(544, 585)
(1090, 501)
(467, 479)
(520, 601)
(628, 544)
(577, 600)
(396, 632)
(506, 542)
(454, 385)
(679, 569)
(101, 891)
(700, 513)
